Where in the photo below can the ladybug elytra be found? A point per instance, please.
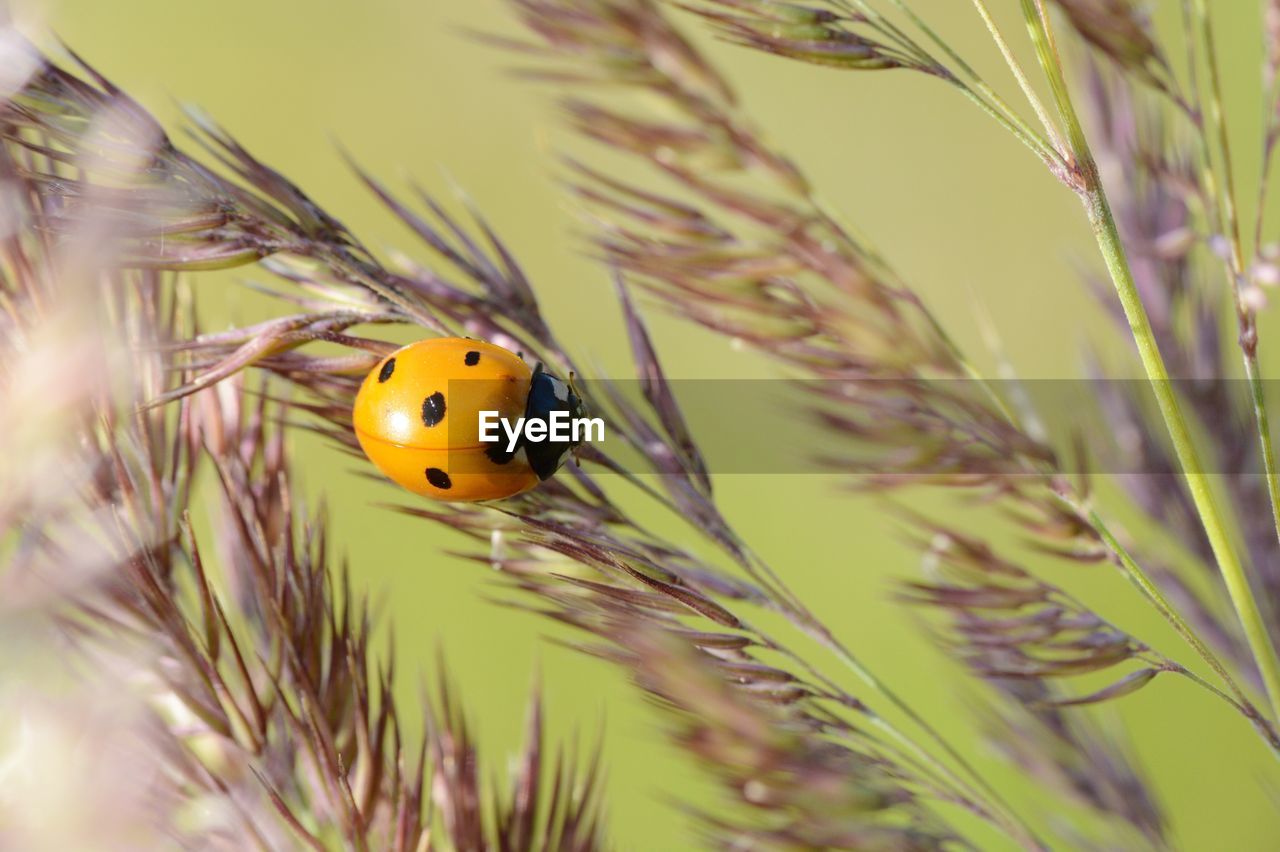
(417, 417)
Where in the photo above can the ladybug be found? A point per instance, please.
(417, 417)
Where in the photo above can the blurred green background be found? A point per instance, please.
(963, 211)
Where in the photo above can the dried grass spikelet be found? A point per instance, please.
(248, 709)
(810, 34)
(745, 251)
(741, 246)
(572, 522)
(1118, 28)
(1121, 30)
(799, 790)
(1029, 639)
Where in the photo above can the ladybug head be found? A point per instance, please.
(549, 394)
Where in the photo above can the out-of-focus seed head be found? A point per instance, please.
(1118, 28)
(804, 33)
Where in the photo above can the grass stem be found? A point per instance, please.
(1002, 813)
(1246, 321)
(1133, 571)
(1024, 82)
(974, 87)
(1107, 235)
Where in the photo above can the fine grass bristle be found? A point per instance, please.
(254, 694)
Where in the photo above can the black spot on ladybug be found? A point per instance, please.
(473, 358)
(439, 478)
(387, 369)
(433, 409)
(498, 454)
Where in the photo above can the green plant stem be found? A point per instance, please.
(1270, 136)
(799, 615)
(1107, 235)
(1258, 397)
(1015, 67)
(1009, 121)
(1264, 727)
(1198, 485)
(974, 87)
(976, 788)
(1248, 337)
(1009, 822)
(1133, 571)
(1002, 813)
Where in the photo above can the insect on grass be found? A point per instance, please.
(263, 700)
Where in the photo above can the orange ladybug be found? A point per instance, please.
(418, 417)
